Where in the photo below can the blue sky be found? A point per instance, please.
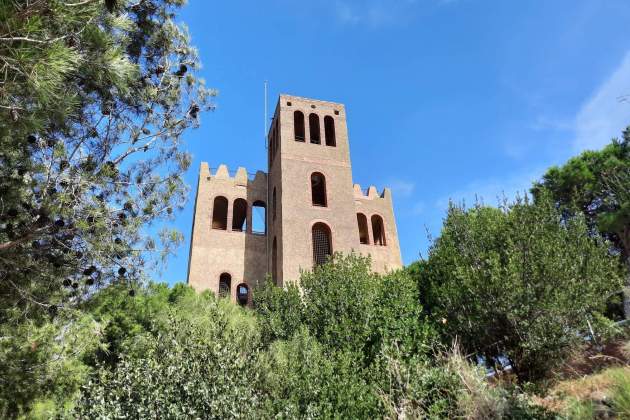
(445, 98)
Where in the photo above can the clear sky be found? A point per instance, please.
(444, 98)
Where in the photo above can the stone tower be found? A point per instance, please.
(313, 208)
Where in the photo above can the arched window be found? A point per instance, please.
(364, 236)
(220, 213)
(322, 246)
(298, 125)
(274, 261)
(239, 215)
(259, 218)
(318, 189)
(225, 285)
(273, 203)
(242, 294)
(378, 230)
(313, 122)
(329, 131)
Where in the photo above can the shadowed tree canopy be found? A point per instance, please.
(94, 98)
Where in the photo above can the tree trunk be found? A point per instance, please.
(625, 240)
(626, 291)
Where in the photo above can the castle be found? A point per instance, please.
(311, 208)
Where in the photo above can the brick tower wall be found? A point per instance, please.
(248, 257)
(387, 257)
(243, 255)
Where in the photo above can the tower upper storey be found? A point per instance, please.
(304, 129)
(309, 204)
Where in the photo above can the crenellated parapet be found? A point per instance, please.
(371, 193)
(249, 227)
(241, 176)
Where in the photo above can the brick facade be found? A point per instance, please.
(296, 158)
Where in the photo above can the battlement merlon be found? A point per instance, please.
(372, 193)
(241, 176)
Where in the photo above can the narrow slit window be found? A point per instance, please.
(313, 122)
(275, 138)
(329, 131)
(259, 218)
(298, 125)
(239, 215)
(318, 190)
(364, 236)
(274, 262)
(378, 230)
(274, 203)
(225, 285)
(220, 213)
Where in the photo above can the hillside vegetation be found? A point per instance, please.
(512, 315)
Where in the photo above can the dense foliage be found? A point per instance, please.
(94, 98)
(518, 282)
(597, 184)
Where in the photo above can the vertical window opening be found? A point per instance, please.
(318, 189)
(242, 294)
(329, 131)
(313, 122)
(225, 285)
(239, 215)
(275, 138)
(274, 261)
(322, 247)
(273, 203)
(220, 213)
(259, 218)
(298, 125)
(364, 236)
(378, 230)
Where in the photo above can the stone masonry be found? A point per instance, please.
(312, 207)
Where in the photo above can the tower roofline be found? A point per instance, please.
(303, 98)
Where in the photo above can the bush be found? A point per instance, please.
(302, 381)
(621, 394)
(40, 364)
(348, 307)
(519, 282)
(280, 311)
(197, 366)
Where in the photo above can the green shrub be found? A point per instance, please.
(197, 366)
(621, 394)
(301, 380)
(520, 282)
(348, 307)
(280, 311)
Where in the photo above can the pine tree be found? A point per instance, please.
(94, 98)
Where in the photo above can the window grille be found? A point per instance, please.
(321, 244)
